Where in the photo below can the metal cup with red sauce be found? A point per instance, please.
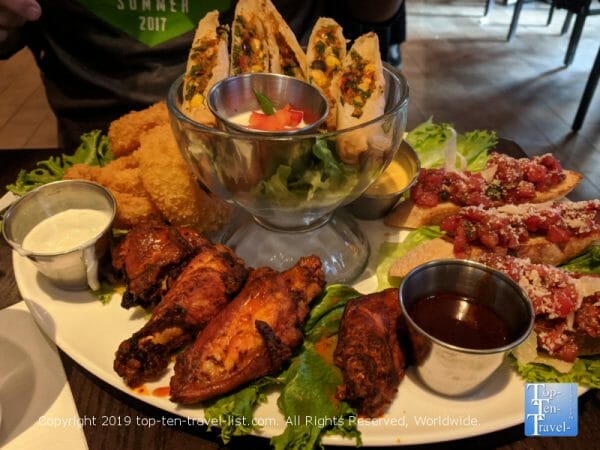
(462, 318)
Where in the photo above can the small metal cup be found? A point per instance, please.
(235, 95)
(73, 269)
(375, 206)
(449, 369)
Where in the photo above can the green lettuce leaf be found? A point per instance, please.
(309, 371)
(234, 413)
(309, 405)
(429, 140)
(106, 291)
(307, 398)
(391, 251)
(335, 296)
(474, 146)
(587, 262)
(94, 150)
(315, 174)
(585, 372)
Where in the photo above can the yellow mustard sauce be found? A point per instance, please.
(395, 177)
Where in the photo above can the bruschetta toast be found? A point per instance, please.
(439, 194)
(324, 55)
(543, 233)
(208, 62)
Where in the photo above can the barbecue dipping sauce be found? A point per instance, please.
(460, 321)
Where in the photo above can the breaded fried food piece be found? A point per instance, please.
(169, 183)
(124, 132)
(122, 178)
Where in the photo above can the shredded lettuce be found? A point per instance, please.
(585, 372)
(315, 174)
(107, 290)
(587, 262)
(94, 150)
(429, 141)
(391, 251)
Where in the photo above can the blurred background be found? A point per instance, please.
(460, 68)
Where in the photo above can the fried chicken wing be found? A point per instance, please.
(150, 257)
(204, 287)
(252, 336)
(368, 352)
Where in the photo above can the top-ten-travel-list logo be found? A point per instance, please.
(551, 409)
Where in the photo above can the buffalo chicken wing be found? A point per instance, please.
(211, 279)
(150, 257)
(252, 336)
(368, 352)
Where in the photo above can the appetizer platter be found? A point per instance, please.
(413, 418)
(264, 338)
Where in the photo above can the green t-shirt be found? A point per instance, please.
(103, 58)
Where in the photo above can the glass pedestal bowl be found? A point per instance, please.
(288, 189)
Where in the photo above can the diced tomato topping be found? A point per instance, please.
(489, 238)
(557, 235)
(533, 223)
(283, 119)
(295, 117)
(525, 191)
(587, 317)
(514, 181)
(536, 172)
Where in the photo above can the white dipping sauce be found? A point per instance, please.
(66, 230)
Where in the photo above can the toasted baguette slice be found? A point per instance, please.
(208, 62)
(249, 42)
(324, 55)
(410, 215)
(544, 233)
(361, 78)
(285, 54)
(540, 250)
(438, 248)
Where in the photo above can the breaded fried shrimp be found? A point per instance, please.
(124, 133)
(167, 179)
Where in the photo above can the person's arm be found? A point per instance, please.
(13, 15)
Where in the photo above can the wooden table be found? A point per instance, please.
(95, 399)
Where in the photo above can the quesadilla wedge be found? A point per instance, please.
(324, 55)
(285, 54)
(361, 95)
(208, 62)
(249, 42)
